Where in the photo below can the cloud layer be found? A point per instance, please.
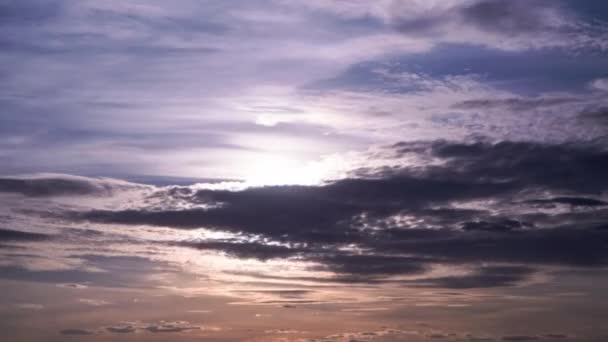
(514, 205)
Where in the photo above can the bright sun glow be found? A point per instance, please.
(278, 170)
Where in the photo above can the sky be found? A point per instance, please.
(319, 170)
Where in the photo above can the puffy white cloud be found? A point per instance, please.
(600, 84)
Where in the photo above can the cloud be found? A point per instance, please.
(490, 22)
(369, 267)
(557, 246)
(244, 250)
(560, 167)
(76, 332)
(73, 286)
(600, 84)
(365, 309)
(520, 198)
(512, 17)
(469, 171)
(385, 332)
(512, 25)
(556, 336)
(385, 213)
(29, 306)
(284, 331)
(311, 213)
(92, 269)
(516, 103)
(596, 115)
(190, 37)
(46, 185)
(479, 338)
(279, 293)
(501, 225)
(484, 277)
(93, 302)
(437, 336)
(138, 326)
(572, 201)
(520, 338)
(9, 235)
(169, 327)
(122, 329)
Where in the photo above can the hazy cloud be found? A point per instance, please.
(520, 338)
(483, 277)
(77, 332)
(62, 185)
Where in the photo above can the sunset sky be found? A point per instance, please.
(315, 170)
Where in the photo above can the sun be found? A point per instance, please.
(282, 170)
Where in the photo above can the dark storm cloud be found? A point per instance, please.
(273, 211)
(307, 214)
(313, 221)
(314, 213)
(522, 165)
(583, 246)
(15, 235)
(496, 169)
